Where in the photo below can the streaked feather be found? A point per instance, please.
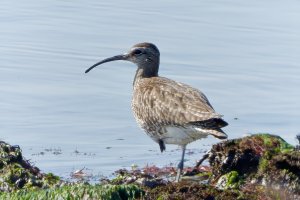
(161, 101)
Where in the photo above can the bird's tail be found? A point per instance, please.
(218, 133)
(212, 127)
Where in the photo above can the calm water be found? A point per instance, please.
(244, 56)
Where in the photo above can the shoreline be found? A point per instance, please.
(252, 167)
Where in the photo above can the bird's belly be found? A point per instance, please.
(178, 135)
(182, 135)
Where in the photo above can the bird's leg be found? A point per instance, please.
(180, 164)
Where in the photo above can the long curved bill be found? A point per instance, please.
(118, 57)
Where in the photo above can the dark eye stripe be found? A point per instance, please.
(137, 52)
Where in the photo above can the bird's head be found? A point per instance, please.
(144, 55)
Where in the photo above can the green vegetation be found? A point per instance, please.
(274, 141)
(272, 145)
(234, 180)
(77, 191)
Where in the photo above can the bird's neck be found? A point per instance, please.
(145, 72)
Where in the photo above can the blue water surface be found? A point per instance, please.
(244, 55)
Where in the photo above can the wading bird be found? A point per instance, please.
(170, 112)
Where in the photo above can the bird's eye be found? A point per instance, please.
(137, 52)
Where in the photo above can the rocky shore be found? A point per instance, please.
(261, 166)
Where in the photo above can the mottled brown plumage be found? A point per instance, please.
(159, 102)
(170, 112)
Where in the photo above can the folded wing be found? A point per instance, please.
(161, 101)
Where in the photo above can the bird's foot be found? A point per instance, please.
(179, 171)
(178, 175)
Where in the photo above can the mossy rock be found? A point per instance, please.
(244, 155)
(17, 173)
(283, 171)
(194, 191)
(262, 159)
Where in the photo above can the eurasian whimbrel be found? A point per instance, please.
(170, 112)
